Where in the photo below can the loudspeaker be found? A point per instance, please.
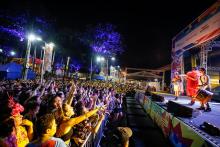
(157, 98)
(147, 93)
(179, 110)
(210, 129)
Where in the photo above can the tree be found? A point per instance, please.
(15, 26)
(103, 39)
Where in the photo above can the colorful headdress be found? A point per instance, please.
(16, 107)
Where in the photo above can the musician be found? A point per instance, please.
(204, 84)
(192, 84)
(176, 84)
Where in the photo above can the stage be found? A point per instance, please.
(182, 131)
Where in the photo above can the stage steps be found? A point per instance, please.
(145, 133)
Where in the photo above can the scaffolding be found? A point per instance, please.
(205, 48)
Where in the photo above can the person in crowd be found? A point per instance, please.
(46, 129)
(23, 135)
(204, 84)
(55, 103)
(31, 111)
(66, 124)
(176, 81)
(7, 133)
(118, 112)
(119, 137)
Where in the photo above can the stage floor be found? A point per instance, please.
(199, 116)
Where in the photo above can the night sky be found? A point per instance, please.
(147, 27)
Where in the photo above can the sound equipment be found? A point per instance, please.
(210, 129)
(179, 110)
(147, 93)
(157, 98)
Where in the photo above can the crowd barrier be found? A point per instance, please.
(173, 128)
(94, 137)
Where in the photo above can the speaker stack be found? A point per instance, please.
(179, 110)
(148, 93)
(157, 98)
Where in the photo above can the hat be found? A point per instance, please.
(16, 107)
(126, 132)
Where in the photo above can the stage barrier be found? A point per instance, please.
(94, 137)
(179, 133)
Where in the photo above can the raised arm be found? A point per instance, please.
(69, 98)
(79, 119)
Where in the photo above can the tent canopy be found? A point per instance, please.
(11, 71)
(11, 67)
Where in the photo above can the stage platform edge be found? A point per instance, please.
(179, 132)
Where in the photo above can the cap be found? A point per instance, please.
(126, 132)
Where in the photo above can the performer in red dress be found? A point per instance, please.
(192, 84)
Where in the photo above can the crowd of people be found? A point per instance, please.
(55, 112)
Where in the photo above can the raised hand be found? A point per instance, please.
(27, 122)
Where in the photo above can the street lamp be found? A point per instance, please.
(91, 69)
(31, 38)
(113, 58)
(12, 53)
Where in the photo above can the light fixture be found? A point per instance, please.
(12, 53)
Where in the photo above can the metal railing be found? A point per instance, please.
(94, 138)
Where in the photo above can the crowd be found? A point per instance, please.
(55, 112)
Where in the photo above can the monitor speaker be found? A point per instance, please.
(157, 98)
(179, 110)
(148, 93)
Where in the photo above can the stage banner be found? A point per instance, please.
(146, 102)
(182, 135)
(48, 58)
(204, 28)
(161, 117)
(139, 96)
(166, 123)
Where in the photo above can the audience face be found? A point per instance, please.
(57, 102)
(18, 119)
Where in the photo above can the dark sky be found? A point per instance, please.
(147, 27)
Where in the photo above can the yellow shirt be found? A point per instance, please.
(22, 138)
